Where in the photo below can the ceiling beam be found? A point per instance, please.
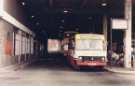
(51, 3)
(84, 11)
(84, 2)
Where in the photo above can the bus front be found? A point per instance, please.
(90, 50)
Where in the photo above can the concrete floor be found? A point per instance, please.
(44, 73)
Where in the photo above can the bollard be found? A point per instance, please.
(133, 62)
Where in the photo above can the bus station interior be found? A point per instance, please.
(25, 26)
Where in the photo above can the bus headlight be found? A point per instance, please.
(103, 59)
(80, 58)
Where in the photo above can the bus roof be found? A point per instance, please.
(89, 36)
(70, 32)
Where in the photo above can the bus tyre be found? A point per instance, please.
(101, 67)
(75, 67)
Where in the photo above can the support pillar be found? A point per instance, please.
(128, 34)
(1, 8)
(105, 26)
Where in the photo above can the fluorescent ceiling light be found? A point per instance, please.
(23, 3)
(32, 16)
(104, 4)
(65, 11)
(37, 23)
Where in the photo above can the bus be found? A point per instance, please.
(86, 49)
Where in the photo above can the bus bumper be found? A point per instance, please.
(90, 63)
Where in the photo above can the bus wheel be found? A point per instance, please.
(75, 67)
(101, 67)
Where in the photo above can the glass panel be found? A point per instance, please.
(89, 44)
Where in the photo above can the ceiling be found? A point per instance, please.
(55, 16)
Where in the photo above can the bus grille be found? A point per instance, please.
(88, 58)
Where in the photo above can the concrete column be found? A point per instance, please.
(1, 7)
(105, 26)
(128, 34)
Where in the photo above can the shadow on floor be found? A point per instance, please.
(60, 65)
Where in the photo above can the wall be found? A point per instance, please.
(6, 43)
(13, 8)
(11, 21)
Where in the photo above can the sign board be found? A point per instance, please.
(54, 46)
(119, 24)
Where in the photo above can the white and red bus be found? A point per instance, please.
(86, 50)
